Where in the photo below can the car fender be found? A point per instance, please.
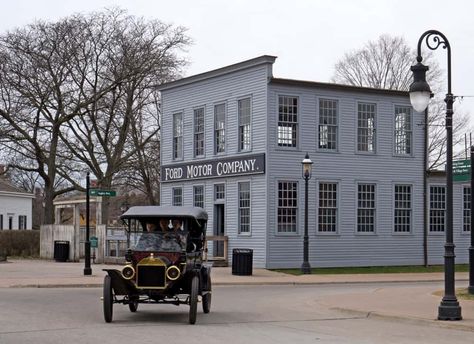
(120, 285)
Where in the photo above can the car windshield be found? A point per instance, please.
(164, 235)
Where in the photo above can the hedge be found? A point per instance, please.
(20, 243)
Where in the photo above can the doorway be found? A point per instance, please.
(219, 230)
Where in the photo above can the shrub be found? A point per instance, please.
(20, 243)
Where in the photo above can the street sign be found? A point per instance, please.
(97, 192)
(462, 170)
(94, 242)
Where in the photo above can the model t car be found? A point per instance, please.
(164, 261)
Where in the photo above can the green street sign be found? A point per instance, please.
(461, 170)
(97, 192)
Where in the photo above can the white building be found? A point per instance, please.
(15, 207)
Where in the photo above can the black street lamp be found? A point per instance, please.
(306, 164)
(470, 288)
(420, 93)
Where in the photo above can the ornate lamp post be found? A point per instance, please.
(306, 164)
(420, 92)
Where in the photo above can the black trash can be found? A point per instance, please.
(61, 251)
(242, 259)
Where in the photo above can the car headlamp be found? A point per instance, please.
(173, 273)
(128, 272)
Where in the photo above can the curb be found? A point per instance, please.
(454, 325)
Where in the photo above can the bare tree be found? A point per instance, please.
(71, 90)
(35, 91)
(386, 64)
(113, 131)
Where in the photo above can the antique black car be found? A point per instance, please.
(164, 261)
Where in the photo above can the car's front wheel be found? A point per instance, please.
(108, 299)
(193, 299)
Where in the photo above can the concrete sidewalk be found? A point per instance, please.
(404, 303)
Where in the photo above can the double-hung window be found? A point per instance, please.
(403, 130)
(327, 211)
(219, 128)
(244, 207)
(466, 210)
(244, 111)
(287, 121)
(199, 132)
(219, 192)
(327, 130)
(22, 222)
(402, 214)
(366, 208)
(198, 195)
(366, 127)
(177, 196)
(287, 207)
(178, 136)
(437, 208)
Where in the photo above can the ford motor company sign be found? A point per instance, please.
(235, 166)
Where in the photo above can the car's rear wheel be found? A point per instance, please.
(207, 297)
(193, 299)
(133, 305)
(108, 299)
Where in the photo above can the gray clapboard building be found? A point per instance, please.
(233, 140)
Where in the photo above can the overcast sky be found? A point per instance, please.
(307, 36)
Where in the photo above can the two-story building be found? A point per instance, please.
(233, 140)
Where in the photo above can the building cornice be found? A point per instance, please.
(264, 59)
(16, 194)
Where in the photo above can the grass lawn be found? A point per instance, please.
(376, 270)
(461, 293)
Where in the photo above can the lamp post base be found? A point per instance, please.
(449, 310)
(87, 271)
(305, 268)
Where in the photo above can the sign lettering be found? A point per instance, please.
(235, 166)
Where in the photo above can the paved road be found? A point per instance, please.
(240, 314)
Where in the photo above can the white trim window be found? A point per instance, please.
(244, 207)
(219, 192)
(198, 196)
(402, 211)
(287, 121)
(366, 208)
(199, 132)
(437, 208)
(219, 128)
(366, 127)
(287, 207)
(21, 221)
(327, 210)
(403, 130)
(177, 196)
(178, 135)
(244, 111)
(466, 209)
(327, 130)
